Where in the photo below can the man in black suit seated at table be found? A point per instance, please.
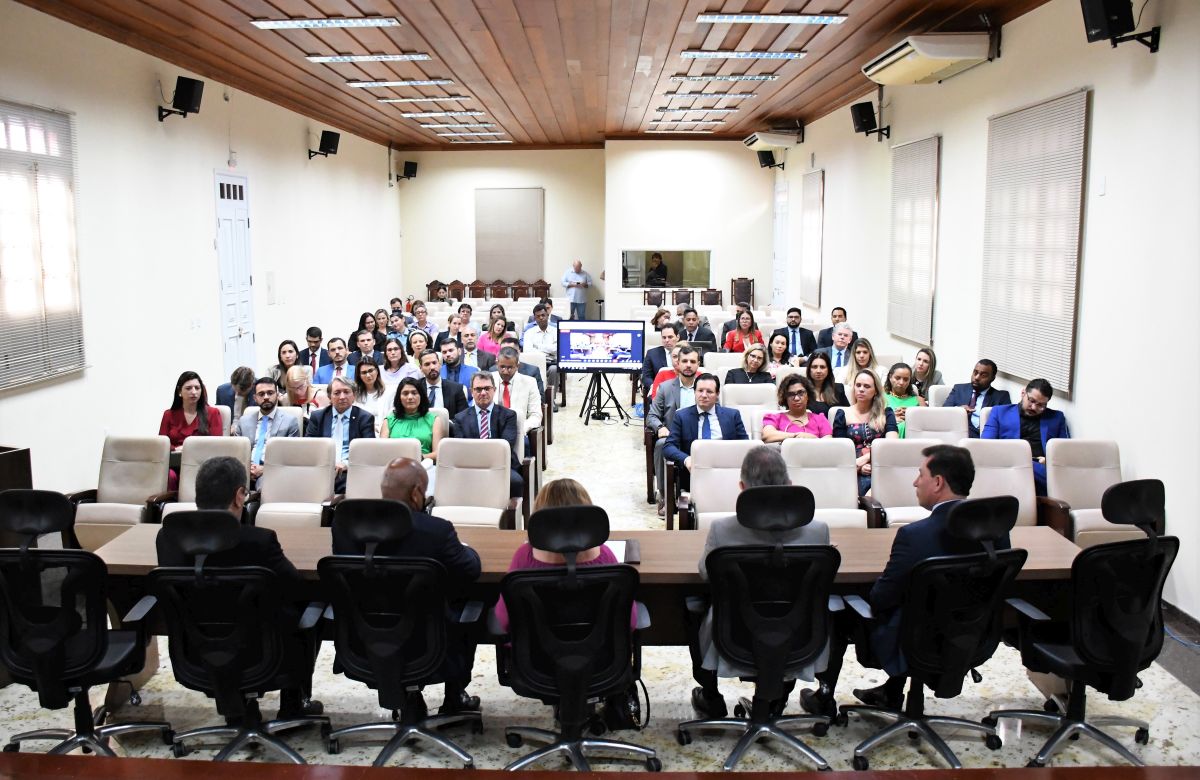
(659, 358)
(977, 394)
(343, 422)
(944, 479)
(442, 393)
(221, 485)
(693, 330)
(801, 341)
(501, 424)
(405, 480)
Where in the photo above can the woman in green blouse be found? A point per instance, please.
(411, 418)
(900, 394)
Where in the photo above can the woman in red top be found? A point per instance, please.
(190, 414)
(745, 334)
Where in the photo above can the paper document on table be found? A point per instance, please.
(618, 548)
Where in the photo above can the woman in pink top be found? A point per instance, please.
(796, 422)
(490, 341)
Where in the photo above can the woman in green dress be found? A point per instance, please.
(411, 418)
(900, 394)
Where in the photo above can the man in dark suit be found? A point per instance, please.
(672, 394)
(693, 330)
(801, 341)
(365, 341)
(527, 369)
(705, 420)
(221, 486)
(838, 351)
(837, 316)
(739, 308)
(442, 393)
(343, 422)
(977, 395)
(471, 356)
(501, 424)
(659, 357)
(1032, 421)
(406, 481)
(237, 394)
(314, 355)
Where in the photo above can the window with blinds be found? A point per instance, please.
(911, 272)
(812, 216)
(40, 317)
(1031, 235)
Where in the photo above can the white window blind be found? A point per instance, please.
(1031, 235)
(812, 215)
(915, 168)
(41, 324)
(508, 233)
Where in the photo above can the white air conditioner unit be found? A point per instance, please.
(927, 59)
(767, 141)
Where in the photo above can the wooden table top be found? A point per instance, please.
(668, 557)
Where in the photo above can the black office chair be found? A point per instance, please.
(53, 625)
(770, 618)
(390, 626)
(227, 627)
(1115, 629)
(950, 623)
(570, 636)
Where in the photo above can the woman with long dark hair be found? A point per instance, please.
(190, 414)
(826, 392)
(370, 392)
(899, 393)
(410, 418)
(395, 363)
(744, 334)
(285, 357)
(796, 421)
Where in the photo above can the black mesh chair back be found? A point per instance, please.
(775, 507)
(1140, 502)
(372, 522)
(28, 514)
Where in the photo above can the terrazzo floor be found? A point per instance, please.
(607, 458)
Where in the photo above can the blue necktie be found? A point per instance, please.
(433, 395)
(706, 428)
(794, 341)
(839, 359)
(260, 441)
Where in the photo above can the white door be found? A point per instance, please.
(779, 264)
(233, 254)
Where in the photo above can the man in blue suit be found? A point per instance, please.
(1032, 421)
(453, 368)
(365, 341)
(502, 424)
(660, 357)
(314, 355)
(977, 395)
(338, 365)
(343, 422)
(697, 422)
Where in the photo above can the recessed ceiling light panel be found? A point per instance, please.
(770, 19)
(742, 77)
(677, 109)
(408, 83)
(691, 95)
(700, 54)
(320, 24)
(447, 99)
(456, 135)
(687, 121)
(424, 114)
(414, 57)
(433, 126)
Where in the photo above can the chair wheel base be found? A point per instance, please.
(681, 736)
(168, 737)
(514, 740)
(989, 721)
(334, 746)
(179, 750)
(1142, 737)
(820, 729)
(653, 765)
(992, 741)
(477, 727)
(860, 763)
(1035, 764)
(739, 711)
(12, 747)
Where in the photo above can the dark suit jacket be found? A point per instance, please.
(442, 338)
(808, 342)
(453, 394)
(656, 360)
(465, 425)
(306, 356)
(1005, 423)
(738, 376)
(703, 333)
(225, 396)
(486, 360)
(960, 395)
(431, 537)
(685, 429)
(256, 547)
(355, 356)
(362, 423)
(825, 337)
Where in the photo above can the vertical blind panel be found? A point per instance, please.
(508, 234)
(911, 272)
(812, 215)
(1031, 237)
(40, 314)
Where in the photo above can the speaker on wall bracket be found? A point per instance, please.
(185, 100)
(863, 116)
(328, 145)
(1112, 21)
(410, 170)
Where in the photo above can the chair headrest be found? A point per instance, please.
(202, 532)
(1140, 502)
(775, 507)
(568, 529)
(983, 519)
(35, 512)
(377, 520)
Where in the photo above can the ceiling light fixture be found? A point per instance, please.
(456, 135)
(481, 141)
(447, 99)
(730, 77)
(414, 57)
(674, 132)
(699, 54)
(669, 109)
(687, 121)
(408, 83)
(770, 19)
(460, 124)
(425, 114)
(690, 95)
(317, 24)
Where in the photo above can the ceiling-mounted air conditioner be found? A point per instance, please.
(929, 58)
(774, 139)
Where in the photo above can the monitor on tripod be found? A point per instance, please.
(601, 346)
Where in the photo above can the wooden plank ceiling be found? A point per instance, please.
(545, 73)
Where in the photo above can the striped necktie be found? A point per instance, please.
(485, 428)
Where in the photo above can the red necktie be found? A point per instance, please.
(315, 357)
(507, 397)
(974, 398)
(338, 372)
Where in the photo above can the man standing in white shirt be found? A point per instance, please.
(576, 282)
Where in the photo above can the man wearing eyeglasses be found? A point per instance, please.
(490, 420)
(1032, 421)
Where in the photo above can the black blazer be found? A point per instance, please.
(656, 360)
(825, 338)
(442, 338)
(431, 537)
(356, 356)
(960, 395)
(306, 356)
(738, 376)
(453, 395)
(820, 407)
(465, 425)
(808, 342)
(256, 547)
(703, 333)
(362, 423)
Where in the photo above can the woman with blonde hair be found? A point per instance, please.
(925, 372)
(862, 356)
(754, 368)
(660, 318)
(300, 391)
(866, 419)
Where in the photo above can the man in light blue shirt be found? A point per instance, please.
(576, 282)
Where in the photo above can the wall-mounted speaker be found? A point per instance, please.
(188, 93)
(329, 142)
(1106, 19)
(863, 115)
(765, 159)
(410, 170)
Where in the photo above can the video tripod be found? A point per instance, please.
(599, 395)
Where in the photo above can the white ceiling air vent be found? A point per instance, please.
(927, 59)
(767, 141)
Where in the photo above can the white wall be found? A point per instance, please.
(327, 230)
(1141, 242)
(688, 195)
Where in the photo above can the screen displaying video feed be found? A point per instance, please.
(600, 346)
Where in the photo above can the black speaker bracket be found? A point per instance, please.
(400, 177)
(163, 113)
(884, 132)
(312, 154)
(1148, 39)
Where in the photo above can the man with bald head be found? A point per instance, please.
(405, 480)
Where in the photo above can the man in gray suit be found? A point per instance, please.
(761, 466)
(262, 422)
(672, 396)
(839, 352)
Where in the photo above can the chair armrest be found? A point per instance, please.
(328, 613)
(836, 603)
(875, 514)
(1027, 611)
(860, 605)
(688, 519)
(527, 490)
(643, 617)
(1056, 514)
(312, 613)
(155, 503)
(470, 613)
(255, 497)
(140, 610)
(508, 519)
(83, 497)
(669, 500)
(495, 633)
(327, 509)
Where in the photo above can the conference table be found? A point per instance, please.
(667, 569)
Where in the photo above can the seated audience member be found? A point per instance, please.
(863, 355)
(517, 392)
(825, 337)
(899, 394)
(339, 364)
(190, 414)
(364, 342)
(421, 320)
(397, 303)
(745, 334)
(489, 420)
(978, 394)
(366, 321)
(452, 365)
(863, 421)
(286, 356)
(1032, 421)
(944, 479)
(237, 393)
(925, 372)
(693, 329)
(343, 422)
(314, 355)
(301, 393)
(396, 365)
(660, 318)
(796, 421)
(658, 358)
(497, 312)
(263, 422)
(827, 393)
(667, 373)
(739, 307)
(754, 368)
(465, 313)
(839, 353)
(418, 342)
(543, 337)
(778, 355)
(221, 486)
(440, 294)
(526, 369)
(371, 392)
(404, 480)
(381, 328)
(552, 318)
(705, 420)
(410, 418)
(763, 466)
(656, 274)
(397, 326)
(453, 332)
(472, 355)
(442, 393)
(672, 395)
(490, 341)
(800, 341)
